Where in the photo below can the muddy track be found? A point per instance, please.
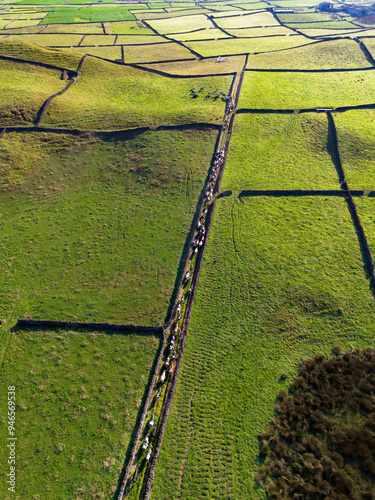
(224, 141)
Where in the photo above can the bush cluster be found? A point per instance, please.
(321, 444)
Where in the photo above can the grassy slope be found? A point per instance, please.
(295, 91)
(282, 280)
(97, 227)
(78, 396)
(325, 55)
(355, 132)
(31, 52)
(246, 45)
(279, 152)
(126, 97)
(24, 89)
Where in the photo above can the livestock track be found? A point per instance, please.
(139, 472)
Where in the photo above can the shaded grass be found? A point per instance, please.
(281, 280)
(325, 55)
(24, 89)
(97, 226)
(295, 91)
(355, 132)
(200, 67)
(78, 395)
(246, 45)
(126, 97)
(365, 209)
(279, 152)
(32, 52)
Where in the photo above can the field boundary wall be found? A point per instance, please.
(349, 198)
(71, 73)
(42, 323)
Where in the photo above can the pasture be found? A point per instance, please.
(309, 90)
(280, 152)
(335, 54)
(127, 97)
(78, 397)
(96, 215)
(282, 280)
(97, 225)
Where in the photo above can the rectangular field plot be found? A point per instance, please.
(31, 52)
(97, 226)
(310, 90)
(47, 40)
(93, 14)
(355, 132)
(75, 28)
(143, 40)
(156, 52)
(209, 34)
(330, 24)
(200, 66)
(279, 152)
(305, 17)
(112, 53)
(335, 54)
(257, 32)
(98, 40)
(149, 15)
(78, 397)
(128, 28)
(24, 88)
(247, 21)
(329, 32)
(126, 97)
(23, 23)
(282, 280)
(246, 45)
(177, 25)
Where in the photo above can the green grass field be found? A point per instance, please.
(128, 97)
(205, 34)
(200, 66)
(78, 396)
(296, 91)
(111, 53)
(156, 52)
(355, 132)
(91, 28)
(246, 45)
(255, 32)
(279, 152)
(258, 19)
(89, 14)
(335, 54)
(182, 24)
(24, 88)
(282, 280)
(99, 40)
(326, 25)
(98, 226)
(48, 40)
(128, 28)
